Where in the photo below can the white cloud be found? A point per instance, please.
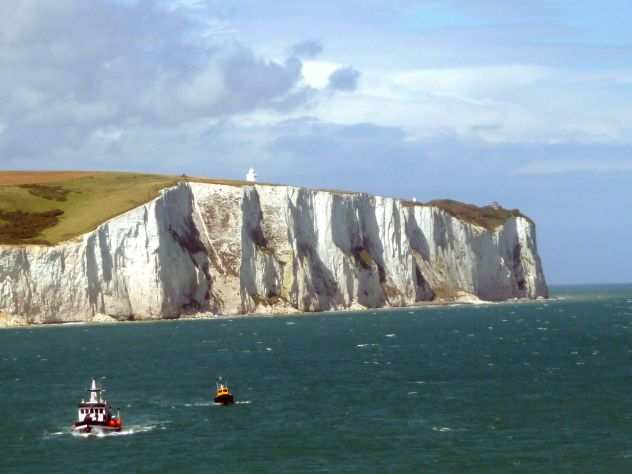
(316, 73)
(108, 135)
(473, 84)
(78, 69)
(195, 5)
(512, 103)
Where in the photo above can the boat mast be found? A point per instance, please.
(95, 393)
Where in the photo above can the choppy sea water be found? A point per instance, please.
(537, 387)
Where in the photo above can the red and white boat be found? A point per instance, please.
(95, 415)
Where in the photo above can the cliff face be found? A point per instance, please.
(230, 250)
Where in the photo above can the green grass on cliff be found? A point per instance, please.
(50, 207)
(41, 211)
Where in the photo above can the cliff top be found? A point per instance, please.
(48, 207)
(489, 217)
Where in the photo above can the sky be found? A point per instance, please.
(524, 103)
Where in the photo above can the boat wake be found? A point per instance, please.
(238, 402)
(199, 404)
(441, 429)
(127, 431)
(213, 404)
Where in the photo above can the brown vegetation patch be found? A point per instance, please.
(269, 300)
(489, 217)
(52, 193)
(391, 292)
(363, 258)
(444, 293)
(20, 226)
(15, 178)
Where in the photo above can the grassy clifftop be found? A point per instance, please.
(489, 217)
(49, 207)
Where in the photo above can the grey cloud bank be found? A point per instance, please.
(77, 69)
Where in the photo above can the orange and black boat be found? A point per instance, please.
(223, 395)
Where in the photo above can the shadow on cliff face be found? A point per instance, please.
(524, 257)
(256, 253)
(346, 236)
(421, 251)
(515, 256)
(442, 234)
(350, 237)
(108, 289)
(318, 281)
(184, 291)
(92, 274)
(372, 245)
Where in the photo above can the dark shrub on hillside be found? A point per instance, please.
(50, 192)
(20, 227)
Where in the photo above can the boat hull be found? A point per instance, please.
(224, 399)
(84, 428)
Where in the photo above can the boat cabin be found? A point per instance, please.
(98, 413)
(96, 409)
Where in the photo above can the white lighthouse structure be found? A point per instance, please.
(251, 176)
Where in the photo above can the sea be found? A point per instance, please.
(537, 387)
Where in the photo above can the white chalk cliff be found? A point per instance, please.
(261, 248)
